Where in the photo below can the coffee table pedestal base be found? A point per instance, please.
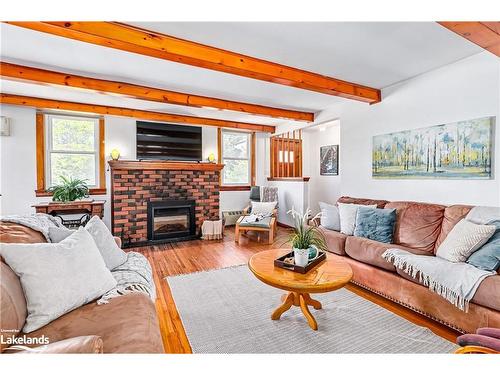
(302, 300)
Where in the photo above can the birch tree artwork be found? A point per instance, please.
(458, 150)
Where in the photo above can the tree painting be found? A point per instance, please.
(329, 160)
(458, 150)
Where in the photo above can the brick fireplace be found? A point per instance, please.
(135, 185)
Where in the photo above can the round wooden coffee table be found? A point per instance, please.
(330, 275)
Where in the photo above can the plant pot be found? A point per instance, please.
(303, 256)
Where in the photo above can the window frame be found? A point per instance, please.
(49, 149)
(228, 186)
(44, 148)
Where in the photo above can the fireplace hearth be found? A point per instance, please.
(171, 220)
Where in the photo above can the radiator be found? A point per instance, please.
(231, 217)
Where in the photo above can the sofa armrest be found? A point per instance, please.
(74, 345)
(118, 241)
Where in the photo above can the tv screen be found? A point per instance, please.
(156, 141)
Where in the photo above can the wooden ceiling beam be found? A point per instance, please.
(41, 76)
(42, 103)
(484, 34)
(145, 42)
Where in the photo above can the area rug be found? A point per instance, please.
(229, 311)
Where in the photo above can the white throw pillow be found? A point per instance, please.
(110, 251)
(330, 218)
(263, 208)
(347, 213)
(465, 238)
(58, 277)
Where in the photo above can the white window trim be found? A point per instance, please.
(248, 158)
(49, 150)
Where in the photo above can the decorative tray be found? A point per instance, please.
(291, 266)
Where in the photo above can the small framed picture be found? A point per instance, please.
(329, 160)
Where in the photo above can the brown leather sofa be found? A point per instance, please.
(127, 324)
(420, 229)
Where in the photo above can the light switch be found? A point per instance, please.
(4, 126)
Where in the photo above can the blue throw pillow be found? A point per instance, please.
(488, 256)
(375, 223)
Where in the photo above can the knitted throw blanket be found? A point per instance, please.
(456, 282)
(135, 275)
(39, 222)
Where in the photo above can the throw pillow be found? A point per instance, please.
(330, 218)
(465, 238)
(488, 256)
(375, 223)
(348, 212)
(57, 278)
(263, 208)
(112, 254)
(57, 234)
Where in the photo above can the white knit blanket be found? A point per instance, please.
(456, 282)
(39, 222)
(135, 275)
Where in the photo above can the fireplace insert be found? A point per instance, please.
(171, 220)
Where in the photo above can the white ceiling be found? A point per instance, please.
(372, 54)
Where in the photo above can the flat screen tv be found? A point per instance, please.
(157, 141)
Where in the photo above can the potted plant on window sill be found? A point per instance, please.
(69, 190)
(307, 241)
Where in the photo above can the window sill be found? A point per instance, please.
(305, 179)
(234, 188)
(96, 191)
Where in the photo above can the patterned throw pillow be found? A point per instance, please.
(375, 223)
(488, 256)
(269, 194)
(263, 208)
(464, 239)
(348, 212)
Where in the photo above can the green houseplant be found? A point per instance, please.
(306, 240)
(69, 190)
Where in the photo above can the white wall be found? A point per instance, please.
(18, 160)
(291, 194)
(321, 188)
(467, 89)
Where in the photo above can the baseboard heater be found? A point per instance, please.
(231, 217)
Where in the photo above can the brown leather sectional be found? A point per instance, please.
(420, 229)
(127, 324)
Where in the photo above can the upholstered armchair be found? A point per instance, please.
(485, 341)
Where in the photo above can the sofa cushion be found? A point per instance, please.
(330, 218)
(364, 201)
(348, 213)
(335, 241)
(452, 215)
(17, 233)
(375, 223)
(13, 309)
(488, 256)
(57, 278)
(465, 238)
(370, 252)
(127, 324)
(418, 224)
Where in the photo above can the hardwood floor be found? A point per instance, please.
(194, 256)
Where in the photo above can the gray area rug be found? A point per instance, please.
(229, 311)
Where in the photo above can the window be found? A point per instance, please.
(72, 147)
(236, 155)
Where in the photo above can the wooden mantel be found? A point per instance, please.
(167, 165)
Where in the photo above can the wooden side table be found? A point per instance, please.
(90, 208)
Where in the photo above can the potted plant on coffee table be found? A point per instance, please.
(306, 240)
(69, 190)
